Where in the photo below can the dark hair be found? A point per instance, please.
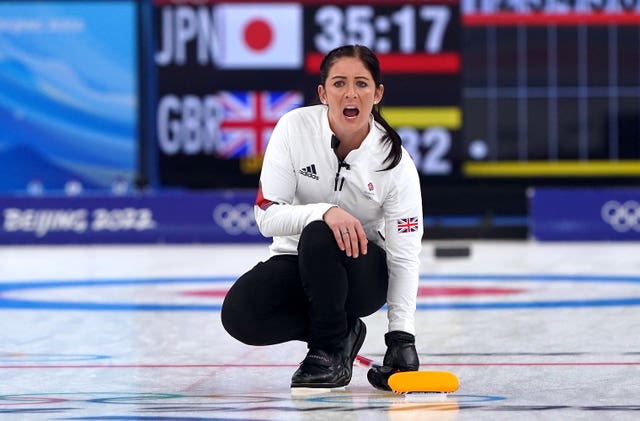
(370, 60)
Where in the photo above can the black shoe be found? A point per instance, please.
(354, 342)
(321, 369)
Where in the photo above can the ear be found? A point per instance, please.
(322, 94)
(378, 95)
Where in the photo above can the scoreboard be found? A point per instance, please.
(490, 97)
(228, 70)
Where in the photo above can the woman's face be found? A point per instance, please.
(350, 92)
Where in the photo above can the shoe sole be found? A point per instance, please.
(359, 341)
(309, 391)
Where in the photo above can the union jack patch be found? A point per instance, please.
(408, 224)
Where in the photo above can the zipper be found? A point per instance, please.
(339, 181)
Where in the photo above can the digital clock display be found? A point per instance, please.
(407, 29)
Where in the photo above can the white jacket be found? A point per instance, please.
(301, 179)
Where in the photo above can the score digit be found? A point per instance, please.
(428, 149)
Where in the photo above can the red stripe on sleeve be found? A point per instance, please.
(261, 202)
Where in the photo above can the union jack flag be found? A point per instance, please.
(248, 118)
(408, 224)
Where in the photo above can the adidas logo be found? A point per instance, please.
(310, 172)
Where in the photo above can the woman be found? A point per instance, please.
(341, 198)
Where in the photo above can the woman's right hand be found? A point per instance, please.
(347, 230)
(401, 355)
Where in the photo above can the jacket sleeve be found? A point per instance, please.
(276, 210)
(403, 243)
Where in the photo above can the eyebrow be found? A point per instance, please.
(345, 77)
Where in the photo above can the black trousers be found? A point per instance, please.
(314, 297)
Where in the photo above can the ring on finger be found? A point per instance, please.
(344, 232)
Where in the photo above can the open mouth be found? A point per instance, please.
(350, 112)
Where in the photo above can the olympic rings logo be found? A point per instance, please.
(236, 219)
(623, 217)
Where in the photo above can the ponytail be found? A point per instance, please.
(392, 137)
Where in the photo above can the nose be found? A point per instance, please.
(351, 91)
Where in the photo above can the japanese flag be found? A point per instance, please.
(259, 35)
